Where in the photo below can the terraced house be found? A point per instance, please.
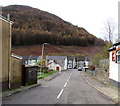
(11, 66)
(5, 51)
(114, 58)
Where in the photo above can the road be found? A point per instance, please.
(68, 88)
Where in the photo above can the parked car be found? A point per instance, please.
(80, 69)
(69, 67)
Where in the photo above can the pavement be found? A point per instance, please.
(23, 88)
(109, 91)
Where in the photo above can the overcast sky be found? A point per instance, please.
(90, 14)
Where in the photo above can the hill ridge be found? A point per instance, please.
(33, 26)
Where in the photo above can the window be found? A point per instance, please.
(114, 56)
(118, 56)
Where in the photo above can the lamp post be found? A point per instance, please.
(43, 46)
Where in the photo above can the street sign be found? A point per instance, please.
(43, 60)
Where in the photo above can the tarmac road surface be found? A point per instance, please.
(67, 88)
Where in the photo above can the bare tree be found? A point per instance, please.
(109, 30)
(117, 38)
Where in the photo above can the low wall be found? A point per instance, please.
(102, 75)
(16, 72)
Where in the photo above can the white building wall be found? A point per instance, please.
(53, 66)
(74, 63)
(113, 69)
(65, 64)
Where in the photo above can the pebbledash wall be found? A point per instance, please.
(114, 67)
(6, 52)
(16, 71)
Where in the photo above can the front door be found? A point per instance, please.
(57, 68)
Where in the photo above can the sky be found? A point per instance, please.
(89, 14)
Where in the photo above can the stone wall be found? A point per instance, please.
(101, 72)
(102, 75)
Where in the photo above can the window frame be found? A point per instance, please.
(118, 57)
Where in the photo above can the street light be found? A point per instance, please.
(43, 46)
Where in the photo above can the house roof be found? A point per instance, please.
(59, 62)
(56, 57)
(31, 57)
(70, 57)
(16, 56)
(25, 57)
(111, 49)
(31, 65)
(118, 43)
(82, 58)
(114, 46)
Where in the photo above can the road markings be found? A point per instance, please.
(60, 93)
(64, 87)
(65, 84)
(46, 86)
(67, 80)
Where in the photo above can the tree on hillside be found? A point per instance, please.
(102, 54)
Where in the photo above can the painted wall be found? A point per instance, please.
(1, 54)
(53, 66)
(5, 51)
(71, 63)
(65, 64)
(16, 72)
(113, 69)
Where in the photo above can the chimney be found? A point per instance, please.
(8, 17)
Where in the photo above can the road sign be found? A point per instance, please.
(44, 60)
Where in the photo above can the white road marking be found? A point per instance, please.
(67, 80)
(64, 87)
(65, 84)
(60, 93)
(45, 86)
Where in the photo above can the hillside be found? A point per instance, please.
(33, 26)
(56, 50)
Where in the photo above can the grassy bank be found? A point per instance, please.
(45, 74)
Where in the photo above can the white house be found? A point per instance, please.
(59, 60)
(54, 61)
(114, 68)
(54, 66)
(71, 62)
